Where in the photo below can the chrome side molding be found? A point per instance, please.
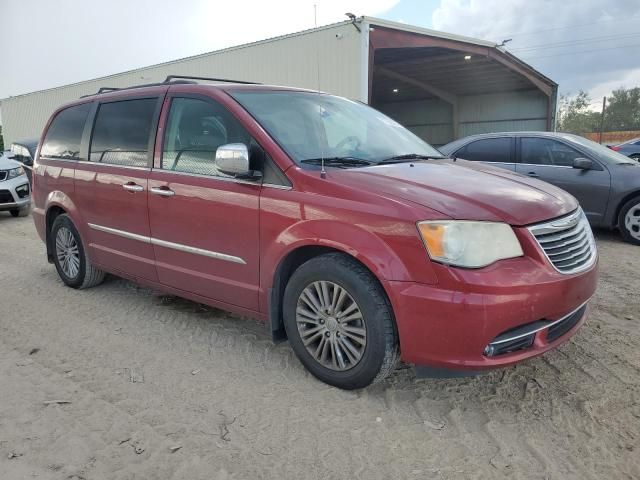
(164, 243)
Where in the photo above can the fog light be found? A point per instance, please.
(489, 350)
(23, 190)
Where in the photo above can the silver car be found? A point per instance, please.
(15, 191)
(606, 183)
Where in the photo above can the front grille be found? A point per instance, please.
(3, 175)
(560, 328)
(6, 197)
(567, 242)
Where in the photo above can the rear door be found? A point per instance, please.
(551, 160)
(498, 151)
(111, 188)
(204, 224)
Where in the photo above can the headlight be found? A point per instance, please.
(15, 172)
(469, 244)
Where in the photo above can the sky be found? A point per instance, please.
(593, 45)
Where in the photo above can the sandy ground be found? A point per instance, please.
(162, 388)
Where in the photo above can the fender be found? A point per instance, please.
(56, 198)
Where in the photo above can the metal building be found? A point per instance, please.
(441, 86)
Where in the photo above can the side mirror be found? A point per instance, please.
(582, 163)
(233, 159)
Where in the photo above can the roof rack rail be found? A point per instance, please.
(172, 80)
(211, 79)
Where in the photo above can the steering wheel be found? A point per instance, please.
(347, 140)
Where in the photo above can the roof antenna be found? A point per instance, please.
(323, 172)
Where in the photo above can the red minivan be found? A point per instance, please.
(340, 229)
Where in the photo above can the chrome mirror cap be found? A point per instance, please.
(233, 159)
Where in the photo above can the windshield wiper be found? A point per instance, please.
(410, 156)
(338, 161)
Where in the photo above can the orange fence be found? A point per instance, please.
(612, 138)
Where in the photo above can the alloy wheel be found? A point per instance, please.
(67, 252)
(632, 221)
(331, 325)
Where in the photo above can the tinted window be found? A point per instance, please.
(487, 150)
(65, 133)
(122, 131)
(195, 130)
(543, 151)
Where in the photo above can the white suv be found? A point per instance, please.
(15, 191)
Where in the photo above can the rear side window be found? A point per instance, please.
(122, 132)
(487, 150)
(65, 133)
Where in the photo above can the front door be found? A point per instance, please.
(204, 224)
(112, 187)
(552, 161)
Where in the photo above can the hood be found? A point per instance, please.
(7, 164)
(466, 190)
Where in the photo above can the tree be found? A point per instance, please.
(574, 115)
(623, 110)
(1, 141)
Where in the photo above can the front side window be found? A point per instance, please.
(121, 132)
(195, 129)
(65, 133)
(487, 150)
(310, 126)
(544, 151)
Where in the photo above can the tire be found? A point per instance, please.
(84, 275)
(629, 221)
(355, 367)
(22, 212)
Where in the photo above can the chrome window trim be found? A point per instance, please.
(536, 330)
(164, 243)
(89, 162)
(563, 223)
(199, 175)
(544, 165)
(224, 179)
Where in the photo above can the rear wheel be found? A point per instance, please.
(339, 322)
(70, 257)
(629, 221)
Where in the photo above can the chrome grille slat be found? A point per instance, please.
(576, 247)
(567, 242)
(548, 238)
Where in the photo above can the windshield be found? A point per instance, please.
(603, 153)
(310, 126)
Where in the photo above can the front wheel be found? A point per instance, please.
(70, 257)
(20, 212)
(340, 323)
(629, 221)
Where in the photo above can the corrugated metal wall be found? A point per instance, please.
(291, 60)
(502, 112)
(499, 112)
(431, 120)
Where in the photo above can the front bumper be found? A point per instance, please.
(15, 193)
(449, 326)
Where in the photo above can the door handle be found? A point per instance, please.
(533, 174)
(163, 191)
(133, 187)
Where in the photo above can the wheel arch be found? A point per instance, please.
(288, 264)
(621, 203)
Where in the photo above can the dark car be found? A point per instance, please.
(24, 152)
(606, 183)
(630, 148)
(333, 224)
